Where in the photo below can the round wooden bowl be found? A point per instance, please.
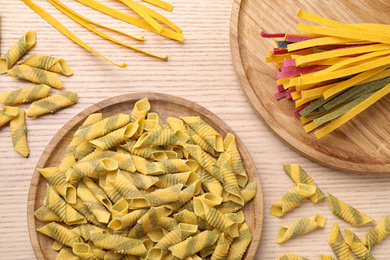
(166, 106)
(363, 144)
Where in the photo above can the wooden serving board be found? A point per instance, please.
(363, 144)
(166, 106)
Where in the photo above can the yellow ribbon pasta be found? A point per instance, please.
(300, 227)
(377, 234)
(291, 199)
(17, 51)
(19, 133)
(52, 103)
(347, 213)
(338, 244)
(24, 95)
(298, 175)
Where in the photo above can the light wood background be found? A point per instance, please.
(201, 70)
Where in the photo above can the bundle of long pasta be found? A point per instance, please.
(132, 186)
(148, 19)
(332, 72)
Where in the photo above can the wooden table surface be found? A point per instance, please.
(199, 69)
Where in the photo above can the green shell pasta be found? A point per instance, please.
(7, 113)
(357, 247)
(347, 213)
(298, 175)
(300, 227)
(52, 103)
(17, 51)
(35, 75)
(45, 62)
(338, 244)
(60, 234)
(24, 95)
(378, 233)
(19, 133)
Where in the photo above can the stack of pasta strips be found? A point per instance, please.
(37, 68)
(306, 188)
(132, 187)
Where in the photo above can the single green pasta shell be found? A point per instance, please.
(141, 108)
(230, 183)
(67, 254)
(180, 129)
(17, 51)
(194, 244)
(45, 62)
(99, 194)
(196, 139)
(177, 235)
(104, 126)
(91, 168)
(291, 199)
(188, 217)
(347, 213)
(119, 244)
(127, 220)
(35, 75)
(240, 243)
(19, 133)
(298, 175)
(115, 137)
(58, 180)
(164, 196)
(24, 95)
(291, 257)
(46, 215)
(177, 165)
(81, 207)
(61, 208)
(377, 234)
(338, 244)
(52, 103)
(148, 221)
(230, 148)
(357, 247)
(93, 204)
(211, 184)
(205, 131)
(60, 234)
(84, 231)
(300, 227)
(158, 137)
(7, 113)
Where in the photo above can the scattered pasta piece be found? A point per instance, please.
(377, 234)
(19, 133)
(52, 104)
(291, 199)
(357, 247)
(338, 244)
(7, 113)
(17, 51)
(35, 75)
(24, 95)
(45, 62)
(300, 227)
(347, 213)
(298, 175)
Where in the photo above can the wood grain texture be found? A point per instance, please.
(165, 106)
(201, 70)
(361, 145)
